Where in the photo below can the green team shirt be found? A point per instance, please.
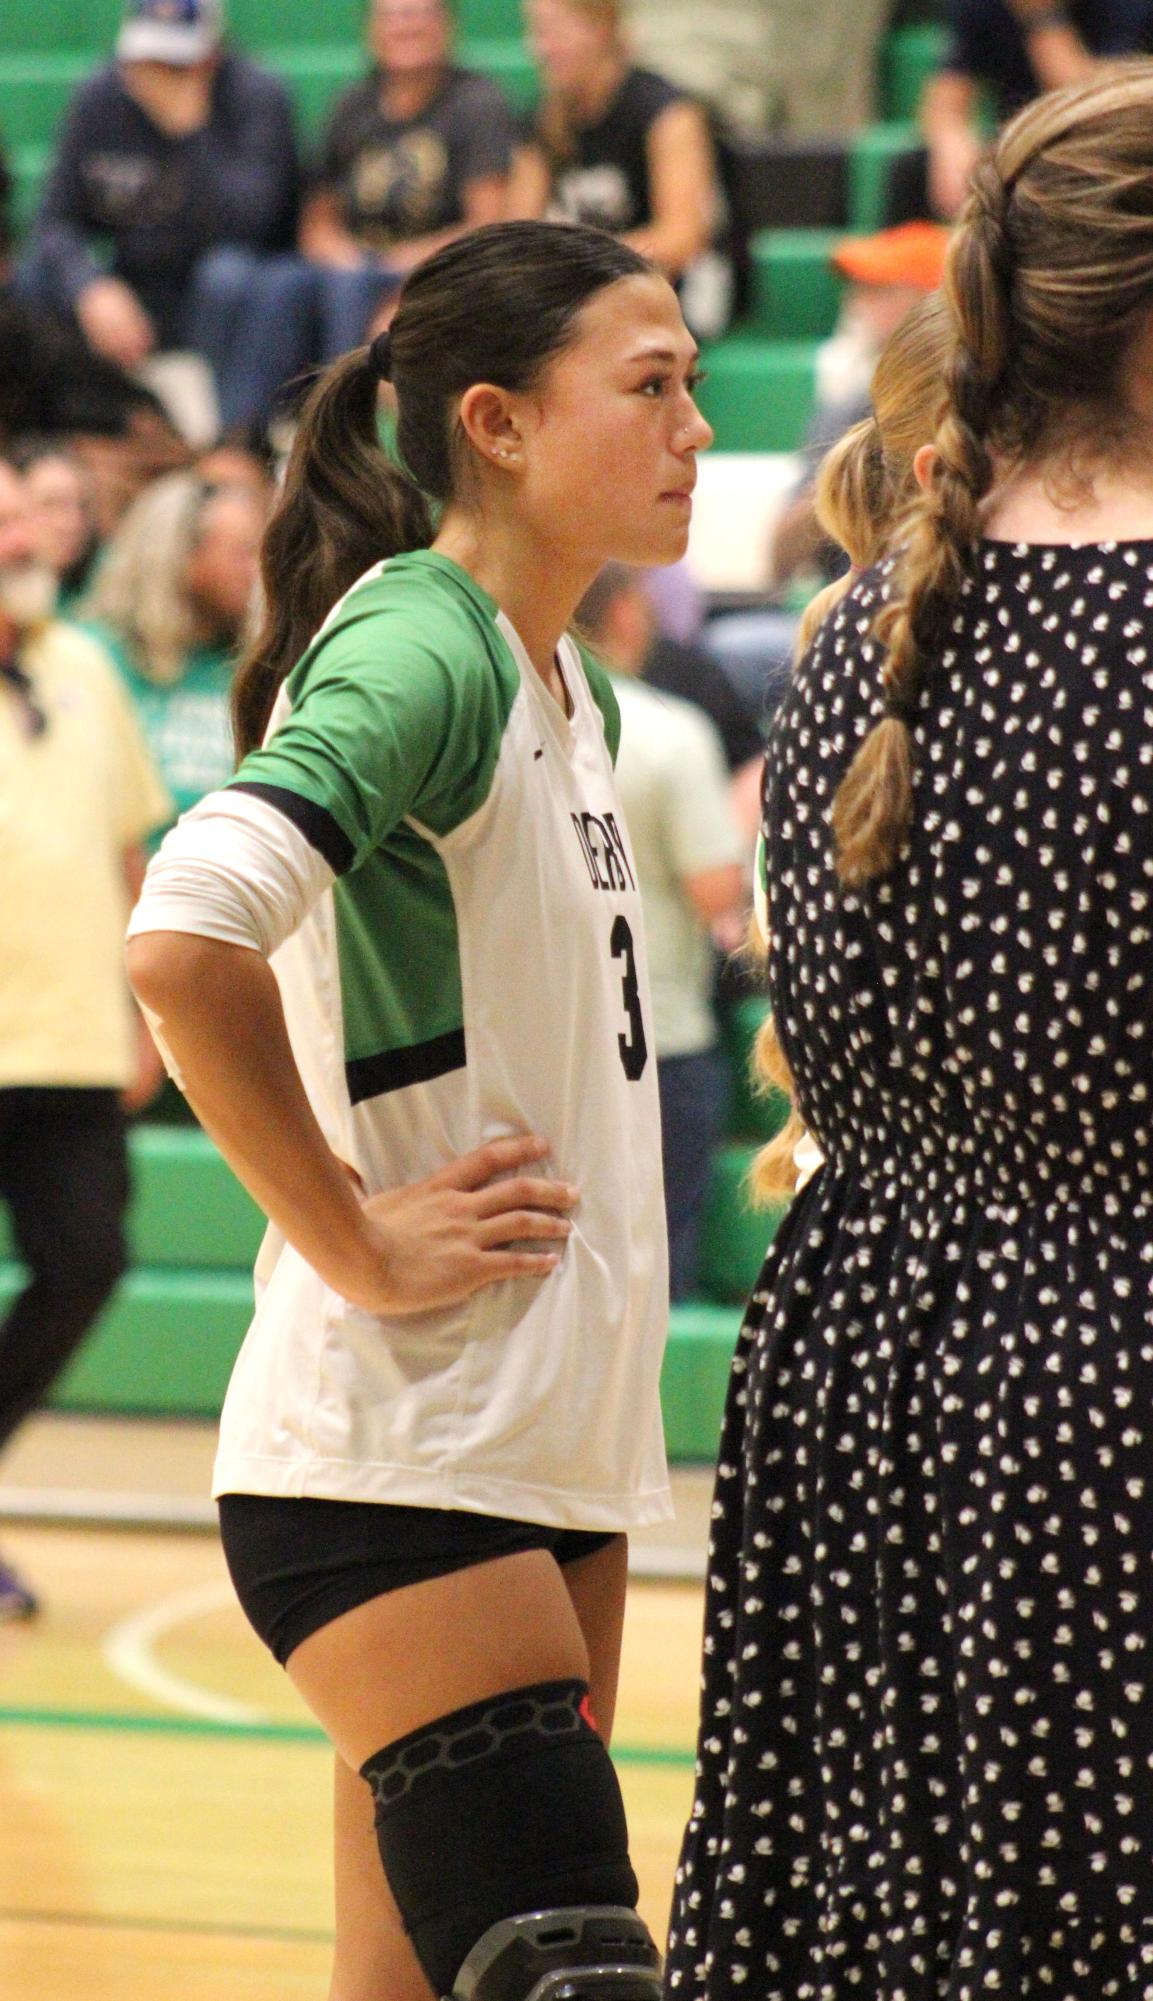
(186, 722)
(473, 965)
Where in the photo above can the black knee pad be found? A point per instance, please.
(508, 1807)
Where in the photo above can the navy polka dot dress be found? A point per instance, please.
(925, 1768)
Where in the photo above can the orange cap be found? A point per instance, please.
(911, 254)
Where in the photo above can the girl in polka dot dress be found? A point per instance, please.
(925, 1766)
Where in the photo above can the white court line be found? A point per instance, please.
(127, 1650)
(128, 1647)
(95, 1507)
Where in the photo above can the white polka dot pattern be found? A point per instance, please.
(925, 1768)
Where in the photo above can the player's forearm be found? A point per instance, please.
(948, 106)
(220, 1018)
(1056, 52)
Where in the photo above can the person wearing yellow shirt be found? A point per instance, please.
(78, 795)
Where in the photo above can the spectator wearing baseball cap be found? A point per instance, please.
(180, 32)
(909, 258)
(180, 156)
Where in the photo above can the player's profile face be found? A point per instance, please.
(612, 429)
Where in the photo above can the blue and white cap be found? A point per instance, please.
(170, 31)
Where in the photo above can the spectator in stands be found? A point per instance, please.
(58, 490)
(123, 463)
(629, 637)
(887, 274)
(414, 154)
(237, 465)
(1004, 52)
(180, 156)
(674, 786)
(621, 149)
(78, 794)
(768, 65)
(171, 603)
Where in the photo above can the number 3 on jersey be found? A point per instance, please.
(633, 1047)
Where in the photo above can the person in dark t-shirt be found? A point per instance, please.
(169, 215)
(413, 154)
(621, 149)
(1011, 50)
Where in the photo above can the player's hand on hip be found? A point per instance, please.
(468, 1226)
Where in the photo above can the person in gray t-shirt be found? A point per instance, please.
(416, 152)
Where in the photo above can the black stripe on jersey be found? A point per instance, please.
(319, 828)
(392, 1069)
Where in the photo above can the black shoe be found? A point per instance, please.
(16, 1600)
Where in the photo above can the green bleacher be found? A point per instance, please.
(167, 1342)
(760, 388)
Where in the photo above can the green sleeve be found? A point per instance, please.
(387, 720)
(601, 689)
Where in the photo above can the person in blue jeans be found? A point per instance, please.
(169, 216)
(413, 154)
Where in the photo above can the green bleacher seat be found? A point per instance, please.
(35, 91)
(167, 1341)
(734, 1233)
(52, 25)
(753, 1114)
(507, 62)
(870, 164)
(29, 165)
(316, 73)
(496, 19)
(795, 292)
(759, 393)
(256, 26)
(187, 1207)
(695, 1377)
(908, 57)
(89, 26)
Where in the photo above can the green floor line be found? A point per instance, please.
(199, 1927)
(15, 1715)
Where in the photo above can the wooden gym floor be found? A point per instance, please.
(163, 1795)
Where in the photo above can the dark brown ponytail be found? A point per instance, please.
(344, 505)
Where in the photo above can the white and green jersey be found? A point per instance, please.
(469, 963)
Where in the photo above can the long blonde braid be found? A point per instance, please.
(864, 489)
(1049, 279)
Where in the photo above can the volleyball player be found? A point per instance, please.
(445, 1416)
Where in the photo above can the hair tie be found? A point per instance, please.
(900, 708)
(380, 355)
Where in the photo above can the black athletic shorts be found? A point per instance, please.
(296, 1564)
